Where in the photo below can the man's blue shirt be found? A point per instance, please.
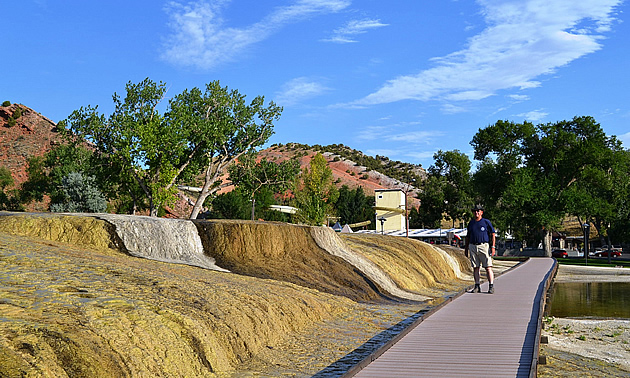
(479, 231)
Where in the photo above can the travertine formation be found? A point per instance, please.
(76, 301)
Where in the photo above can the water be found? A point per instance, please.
(590, 300)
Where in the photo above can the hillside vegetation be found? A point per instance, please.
(397, 170)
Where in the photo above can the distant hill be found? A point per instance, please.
(25, 133)
(352, 167)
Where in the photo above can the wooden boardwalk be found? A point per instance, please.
(475, 335)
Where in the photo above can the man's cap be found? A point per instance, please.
(477, 207)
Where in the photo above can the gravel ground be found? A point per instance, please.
(587, 347)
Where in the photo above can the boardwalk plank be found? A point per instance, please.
(476, 335)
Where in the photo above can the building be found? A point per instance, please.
(390, 210)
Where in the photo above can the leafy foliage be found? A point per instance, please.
(452, 171)
(6, 179)
(80, 195)
(252, 176)
(9, 199)
(353, 206)
(223, 128)
(542, 173)
(431, 210)
(201, 132)
(315, 193)
(231, 205)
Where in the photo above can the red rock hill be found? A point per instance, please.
(24, 133)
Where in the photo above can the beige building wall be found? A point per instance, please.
(390, 205)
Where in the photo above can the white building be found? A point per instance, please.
(390, 210)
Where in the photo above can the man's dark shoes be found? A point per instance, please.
(491, 289)
(476, 289)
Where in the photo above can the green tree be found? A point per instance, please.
(454, 167)
(541, 169)
(315, 192)
(620, 227)
(6, 179)
(80, 195)
(251, 176)
(353, 206)
(199, 132)
(46, 173)
(9, 200)
(138, 137)
(432, 203)
(223, 128)
(601, 194)
(231, 205)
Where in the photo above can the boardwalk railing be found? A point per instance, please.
(476, 335)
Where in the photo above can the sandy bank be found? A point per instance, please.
(570, 273)
(587, 347)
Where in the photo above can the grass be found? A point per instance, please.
(599, 262)
(592, 261)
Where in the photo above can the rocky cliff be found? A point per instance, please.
(77, 301)
(24, 133)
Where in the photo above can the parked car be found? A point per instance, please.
(559, 253)
(605, 254)
(613, 247)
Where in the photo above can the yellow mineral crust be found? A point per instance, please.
(74, 303)
(413, 265)
(77, 230)
(70, 311)
(283, 252)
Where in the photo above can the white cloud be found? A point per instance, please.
(519, 98)
(452, 109)
(298, 90)
(200, 37)
(422, 137)
(421, 155)
(523, 41)
(381, 152)
(352, 28)
(534, 115)
(625, 140)
(391, 133)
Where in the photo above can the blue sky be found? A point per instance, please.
(402, 79)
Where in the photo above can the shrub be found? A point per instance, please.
(80, 195)
(6, 179)
(6, 103)
(16, 114)
(9, 200)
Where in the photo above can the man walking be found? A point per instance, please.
(480, 242)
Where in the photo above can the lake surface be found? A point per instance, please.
(590, 300)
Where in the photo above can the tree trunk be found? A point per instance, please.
(205, 192)
(253, 206)
(198, 204)
(547, 242)
(153, 211)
